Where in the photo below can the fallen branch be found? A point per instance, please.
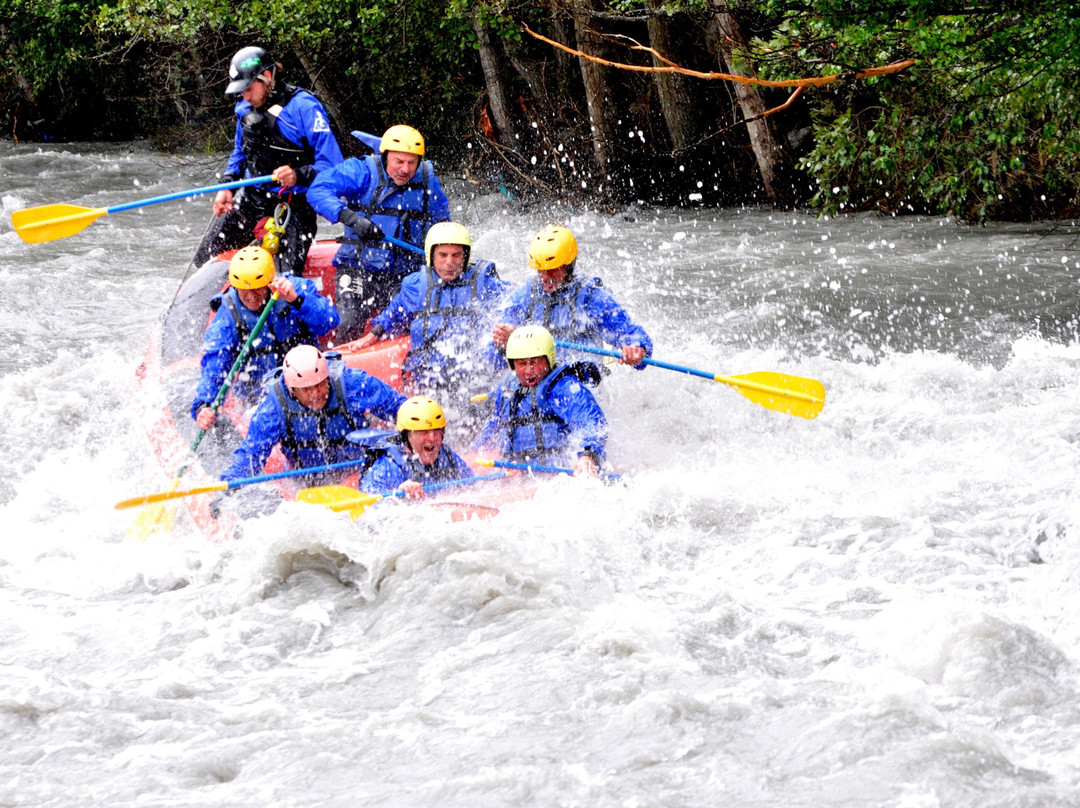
(816, 81)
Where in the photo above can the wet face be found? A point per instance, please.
(448, 261)
(258, 91)
(314, 397)
(426, 444)
(552, 279)
(530, 372)
(254, 299)
(400, 166)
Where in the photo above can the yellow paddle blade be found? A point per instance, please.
(153, 519)
(338, 498)
(48, 222)
(162, 496)
(794, 395)
(156, 518)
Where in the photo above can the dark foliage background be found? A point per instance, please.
(982, 125)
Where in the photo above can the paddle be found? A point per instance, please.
(224, 485)
(344, 498)
(403, 244)
(795, 395)
(506, 464)
(389, 240)
(158, 518)
(49, 222)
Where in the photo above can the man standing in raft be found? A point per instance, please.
(417, 456)
(300, 315)
(447, 308)
(280, 130)
(573, 309)
(395, 193)
(309, 411)
(544, 413)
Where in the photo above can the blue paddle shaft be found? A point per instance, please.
(403, 244)
(210, 189)
(506, 464)
(262, 478)
(345, 464)
(647, 361)
(463, 481)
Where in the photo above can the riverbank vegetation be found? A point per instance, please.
(892, 105)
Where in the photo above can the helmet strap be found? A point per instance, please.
(269, 82)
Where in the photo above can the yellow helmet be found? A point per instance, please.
(529, 341)
(419, 413)
(251, 268)
(447, 233)
(551, 248)
(403, 139)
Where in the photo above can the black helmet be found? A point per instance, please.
(245, 66)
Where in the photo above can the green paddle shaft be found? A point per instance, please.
(234, 371)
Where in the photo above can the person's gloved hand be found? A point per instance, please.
(217, 504)
(364, 228)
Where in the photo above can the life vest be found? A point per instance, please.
(318, 437)
(451, 313)
(401, 211)
(530, 429)
(558, 312)
(442, 470)
(269, 343)
(265, 147)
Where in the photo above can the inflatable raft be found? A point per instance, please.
(169, 372)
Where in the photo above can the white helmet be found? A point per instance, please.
(305, 366)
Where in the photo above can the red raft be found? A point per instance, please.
(169, 374)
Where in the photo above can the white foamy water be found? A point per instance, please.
(875, 608)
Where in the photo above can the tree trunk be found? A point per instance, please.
(20, 81)
(767, 151)
(324, 91)
(529, 72)
(498, 101)
(673, 89)
(207, 98)
(597, 93)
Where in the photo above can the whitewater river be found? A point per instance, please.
(875, 608)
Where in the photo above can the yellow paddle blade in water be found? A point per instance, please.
(152, 519)
(794, 395)
(155, 518)
(338, 498)
(48, 222)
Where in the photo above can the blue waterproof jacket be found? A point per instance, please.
(292, 129)
(287, 326)
(579, 311)
(402, 211)
(314, 437)
(554, 422)
(446, 321)
(392, 466)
